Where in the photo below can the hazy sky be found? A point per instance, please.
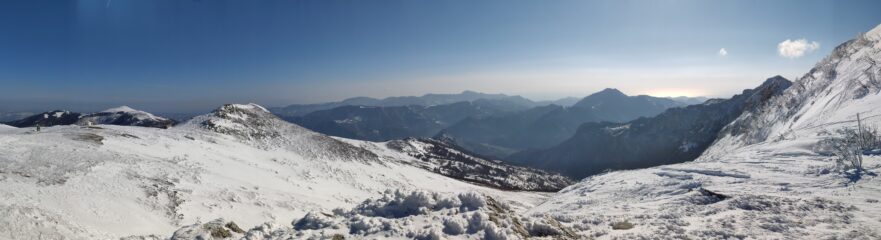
(178, 55)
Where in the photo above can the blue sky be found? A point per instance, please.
(177, 55)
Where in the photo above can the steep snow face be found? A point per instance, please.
(114, 181)
(840, 86)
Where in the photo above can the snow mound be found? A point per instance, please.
(402, 215)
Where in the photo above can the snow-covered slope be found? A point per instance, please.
(125, 116)
(239, 163)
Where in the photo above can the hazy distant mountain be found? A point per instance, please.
(565, 102)
(550, 125)
(677, 135)
(690, 100)
(298, 110)
(12, 116)
(396, 122)
(124, 116)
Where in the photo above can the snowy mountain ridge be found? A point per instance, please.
(123, 115)
(840, 86)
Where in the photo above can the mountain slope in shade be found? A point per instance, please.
(690, 100)
(298, 110)
(674, 136)
(546, 126)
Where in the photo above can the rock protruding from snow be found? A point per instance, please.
(250, 121)
(453, 161)
(402, 215)
(125, 116)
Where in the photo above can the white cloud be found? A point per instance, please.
(723, 52)
(796, 48)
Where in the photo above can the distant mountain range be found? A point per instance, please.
(674, 136)
(124, 116)
(489, 124)
(396, 122)
(298, 110)
(12, 116)
(689, 100)
(546, 126)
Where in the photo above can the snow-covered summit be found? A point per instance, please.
(120, 109)
(125, 116)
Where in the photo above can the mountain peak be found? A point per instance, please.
(121, 109)
(611, 91)
(606, 95)
(776, 80)
(250, 107)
